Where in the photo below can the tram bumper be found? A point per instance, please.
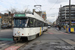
(16, 38)
(19, 38)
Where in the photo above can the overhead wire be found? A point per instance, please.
(53, 5)
(35, 1)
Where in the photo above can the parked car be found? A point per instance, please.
(9, 26)
(4, 26)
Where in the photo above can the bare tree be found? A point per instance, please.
(14, 10)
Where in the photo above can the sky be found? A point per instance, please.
(50, 6)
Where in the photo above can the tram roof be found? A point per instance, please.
(35, 15)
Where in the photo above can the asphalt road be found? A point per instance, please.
(49, 40)
(6, 33)
(52, 40)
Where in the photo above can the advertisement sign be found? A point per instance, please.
(72, 22)
(44, 15)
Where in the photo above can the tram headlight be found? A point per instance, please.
(18, 31)
(15, 33)
(22, 34)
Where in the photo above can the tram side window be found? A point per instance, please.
(35, 23)
(31, 23)
(38, 24)
(44, 24)
(41, 24)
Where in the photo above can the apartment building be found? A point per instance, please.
(63, 16)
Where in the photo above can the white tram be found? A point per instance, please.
(28, 26)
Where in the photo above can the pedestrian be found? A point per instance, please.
(59, 27)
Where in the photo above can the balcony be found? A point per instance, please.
(72, 18)
(63, 20)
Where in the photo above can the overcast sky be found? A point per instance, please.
(50, 6)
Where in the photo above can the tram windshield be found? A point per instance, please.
(19, 23)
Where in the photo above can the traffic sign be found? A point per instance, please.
(12, 48)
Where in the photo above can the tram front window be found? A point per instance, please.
(19, 23)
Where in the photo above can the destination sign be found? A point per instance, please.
(19, 15)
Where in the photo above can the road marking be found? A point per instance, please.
(6, 39)
(69, 41)
(5, 44)
(50, 33)
(12, 48)
(64, 33)
(15, 46)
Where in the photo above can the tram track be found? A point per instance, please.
(26, 43)
(16, 46)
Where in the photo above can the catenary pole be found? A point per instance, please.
(69, 13)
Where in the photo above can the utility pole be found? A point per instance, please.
(69, 13)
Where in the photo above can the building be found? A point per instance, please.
(63, 17)
(57, 21)
(49, 23)
(41, 13)
(54, 23)
(7, 19)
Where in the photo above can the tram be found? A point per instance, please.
(28, 26)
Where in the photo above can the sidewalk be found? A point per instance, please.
(63, 30)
